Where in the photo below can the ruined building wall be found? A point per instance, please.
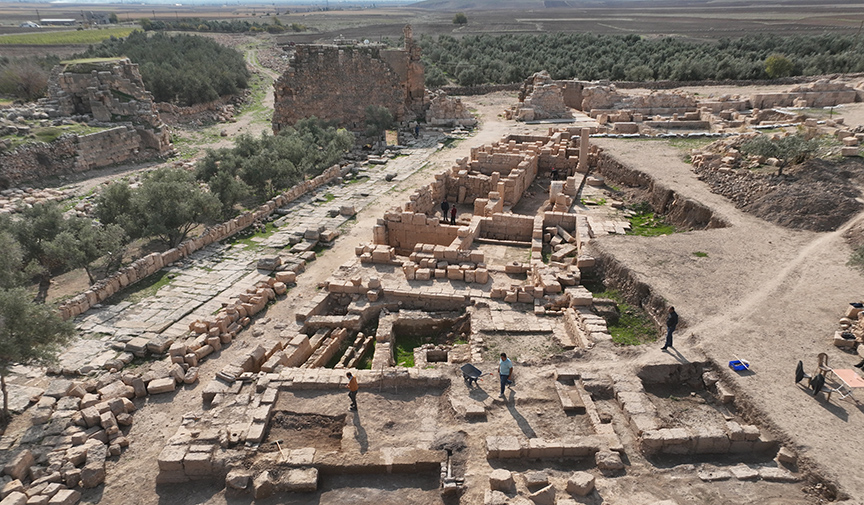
(510, 227)
(110, 93)
(822, 93)
(338, 83)
(73, 154)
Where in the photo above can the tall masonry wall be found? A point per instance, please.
(338, 82)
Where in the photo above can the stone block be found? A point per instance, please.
(501, 480)
(19, 467)
(198, 464)
(238, 478)
(543, 449)
(743, 472)
(299, 480)
(534, 479)
(65, 497)
(580, 484)
(15, 498)
(785, 455)
(263, 485)
(578, 447)
(160, 386)
(608, 461)
(93, 474)
(171, 458)
(776, 474)
(11, 487)
(492, 497)
(504, 447)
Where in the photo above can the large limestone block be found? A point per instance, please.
(65, 497)
(159, 386)
(299, 480)
(608, 461)
(92, 475)
(198, 464)
(11, 487)
(501, 480)
(15, 498)
(580, 483)
(19, 467)
(238, 478)
(171, 458)
(262, 486)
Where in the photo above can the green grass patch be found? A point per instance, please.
(644, 223)
(700, 254)
(856, 260)
(405, 350)
(143, 289)
(634, 327)
(65, 37)
(594, 201)
(329, 197)
(49, 134)
(245, 237)
(688, 143)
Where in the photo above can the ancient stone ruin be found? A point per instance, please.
(448, 111)
(540, 98)
(107, 94)
(338, 82)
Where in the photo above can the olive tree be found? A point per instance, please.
(30, 333)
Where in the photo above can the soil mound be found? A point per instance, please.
(817, 195)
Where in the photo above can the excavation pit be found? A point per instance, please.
(294, 430)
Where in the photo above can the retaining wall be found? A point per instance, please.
(152, 263)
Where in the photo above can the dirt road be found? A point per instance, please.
(763, 293)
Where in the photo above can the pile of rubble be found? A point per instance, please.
(76, 426)
(16, 199)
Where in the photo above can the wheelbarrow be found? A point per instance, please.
(471, 374)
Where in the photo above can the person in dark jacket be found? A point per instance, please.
(671, 323)
(445, 210)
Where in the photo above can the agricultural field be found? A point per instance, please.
(66, 37)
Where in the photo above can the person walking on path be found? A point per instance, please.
(505, 372)
(453, 215)
(671, 323)
(445, 208)
(352, 390)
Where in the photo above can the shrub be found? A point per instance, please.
(778, 65)
(792, 149)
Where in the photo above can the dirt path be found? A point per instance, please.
(767, 294)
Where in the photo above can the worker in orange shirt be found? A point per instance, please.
(352, 390)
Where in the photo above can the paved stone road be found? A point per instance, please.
(200, 284)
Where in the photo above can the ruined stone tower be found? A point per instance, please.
(338, 82)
